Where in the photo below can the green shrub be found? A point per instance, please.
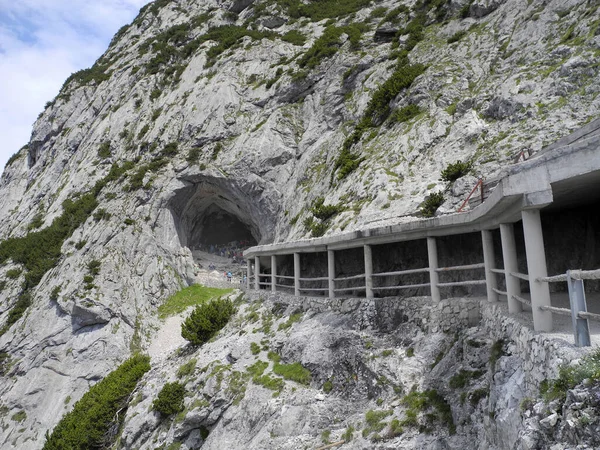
(100, 214)
(328, 386)
(207, 320)
(457, 36)
(569, 376)
(431, 403)
(393, 15)
(54, 293)
(405, 113)
(462, 378)
(410, 352)
(155, 94)
(431, 204)
(216, 150)
(91, 423)
(13, 274)
(323, 9)
(380, 11)
(294, 37)
(143, 131)
(193, 155)
(496, 352)
(329, 43)
(378, 107)
(193, 295)
(170, 399)
(456, 170)
(254, 348)
(104, 150)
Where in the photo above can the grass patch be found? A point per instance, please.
(294, 372)
(434, 408)
(187, 368)
(190, 296)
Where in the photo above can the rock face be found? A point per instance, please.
(181, 121)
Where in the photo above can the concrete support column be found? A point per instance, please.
(256, 273)
(488, 259)
(509, 255)
(273, 273)
(368, 271)
(434, 277)
(331, 272)
(297, 274)
(248, 273)
(536, 268)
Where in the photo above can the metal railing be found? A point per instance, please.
(578, 311)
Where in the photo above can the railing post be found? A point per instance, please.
(434, 277)
(489, 260)
(273, 273)
(331, 272)
(581, 327)
(248, 273)
(536, 267)
(256, 272)
(368, 253)
(297, 274)
(509, 255)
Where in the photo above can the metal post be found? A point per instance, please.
(581, 327)
(488, 259)
(509, 255)
(331, 272)
(256, 273)
(273, 273)
(434, 277)
(368, 254)
(297, 274)
(536, 268)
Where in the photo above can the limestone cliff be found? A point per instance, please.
(204, 111)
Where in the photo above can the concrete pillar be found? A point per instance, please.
(331, 272)
(509, 255)
(297, 274)
(248, 273)
(368, 271)
(273, 273)
(256, 273)
(536, 268)
(434, 277)
(489, 260)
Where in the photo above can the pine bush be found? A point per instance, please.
(206, 321)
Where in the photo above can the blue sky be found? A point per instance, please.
(41, 43)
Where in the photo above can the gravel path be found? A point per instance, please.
(168, 338)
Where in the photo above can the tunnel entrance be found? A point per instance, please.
(213, 212)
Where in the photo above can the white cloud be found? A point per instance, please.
(41, 43)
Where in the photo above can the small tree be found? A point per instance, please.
(456, 170)
(431, 204)
(170, 399)
(206, 320)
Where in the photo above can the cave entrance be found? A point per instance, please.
(215, 212)
(220, 227)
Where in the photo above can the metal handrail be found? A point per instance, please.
(466, 267)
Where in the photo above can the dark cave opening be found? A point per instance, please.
(219, 227)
